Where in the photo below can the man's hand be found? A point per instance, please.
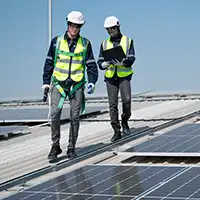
(105, 64)
(117, 62)
(90, 88)
(45, 87)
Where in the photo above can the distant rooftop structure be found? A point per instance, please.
(140, 96)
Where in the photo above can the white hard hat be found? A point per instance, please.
(111, 21)
(75, 17)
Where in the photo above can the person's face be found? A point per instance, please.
(74, 28)
(113, 31)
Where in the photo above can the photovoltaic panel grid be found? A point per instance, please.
(185, 139)
(37, 114)
(103, 182)
(11, 129)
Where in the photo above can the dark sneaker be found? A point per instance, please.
(71, 153)
(55, 150)
(116, 136)
(125, 128)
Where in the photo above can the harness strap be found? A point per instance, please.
(78, 85)
(71, 93)
(74, 89)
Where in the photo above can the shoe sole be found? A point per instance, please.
(125, 133)
(116, 139)
(71, 156)
(54, 157)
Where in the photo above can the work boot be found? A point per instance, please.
(125, 128)
(55, 150)
(116, 136)
(71, 153)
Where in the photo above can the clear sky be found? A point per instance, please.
(166, 35)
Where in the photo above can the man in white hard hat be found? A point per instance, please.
(118, 75)
(69, 56)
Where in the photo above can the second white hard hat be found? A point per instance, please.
(111, 21)
(75, 17)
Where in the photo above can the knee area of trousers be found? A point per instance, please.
(113, 106)
(75, 118)
(55, 115)
(129, 114)
(75, 114)
(126, 100)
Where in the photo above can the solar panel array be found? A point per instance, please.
(37, 114)
(184, 139)
(12, 129)
(126, 182)
(103, 182)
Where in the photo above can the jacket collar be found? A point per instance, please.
(66, 37)
(117, 38)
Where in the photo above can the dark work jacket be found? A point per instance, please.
(91, 66)
(127, 63)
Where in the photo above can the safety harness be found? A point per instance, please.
(80, 84)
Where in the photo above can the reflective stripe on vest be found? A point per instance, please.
(67, 62)
(121, 70)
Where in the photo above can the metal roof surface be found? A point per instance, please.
(28, 152)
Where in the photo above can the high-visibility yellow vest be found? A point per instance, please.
(67, 63)
(121, 70)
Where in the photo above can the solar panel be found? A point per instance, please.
(11, 129)
(37, 114)
(185, 185)
(184, 139)
(96, 182)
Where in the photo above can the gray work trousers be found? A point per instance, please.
(75, 106)
(113, 89)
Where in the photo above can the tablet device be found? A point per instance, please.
(114, 53)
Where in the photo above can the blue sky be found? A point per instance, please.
(166, 35)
